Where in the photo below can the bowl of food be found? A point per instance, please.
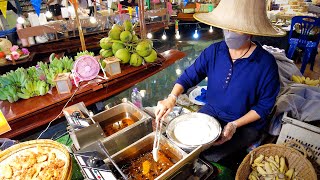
(37, 159)
(191, 130)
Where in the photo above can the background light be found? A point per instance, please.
(149, 35)
(196, 35)
(178, 72)
(164, 36)
(178, 35)
(48, 14)
(210, 30)
(93, 20)
(20, 20)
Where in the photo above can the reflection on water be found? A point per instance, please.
(158, 86)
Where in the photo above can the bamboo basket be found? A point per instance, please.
(294, 159)
(29, 145)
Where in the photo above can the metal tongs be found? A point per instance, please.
(156, 141)
(111, 160)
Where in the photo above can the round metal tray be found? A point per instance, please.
(191, 130)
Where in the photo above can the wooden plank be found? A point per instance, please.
(56, 26)
(24, 107)
(72, 44)
(158, 12)
(185, 17)
(39, 30)
(32, 113)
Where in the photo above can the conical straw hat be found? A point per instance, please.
(245, 16)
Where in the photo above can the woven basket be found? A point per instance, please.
(294, 159)
(66, 174)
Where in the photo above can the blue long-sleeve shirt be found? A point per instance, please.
(235, 88)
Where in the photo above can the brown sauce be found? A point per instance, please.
(115, 127)
(145, 168)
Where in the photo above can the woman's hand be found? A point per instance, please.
(164, 107)
(226, 134)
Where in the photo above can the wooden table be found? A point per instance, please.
(25, 115)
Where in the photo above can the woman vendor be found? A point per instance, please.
(243, 80)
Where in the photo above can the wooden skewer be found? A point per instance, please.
(83, 45)
(143, 33)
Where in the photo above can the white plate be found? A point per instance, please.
(193, 129)
(196, 92)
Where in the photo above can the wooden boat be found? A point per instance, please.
(26, 115)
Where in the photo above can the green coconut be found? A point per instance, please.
(114, 34)
(127, 25)
(116, 46)
(150, 42)
(136, 60)
(118, 27)
(144, 48)
(152, 57)
(105, 43)
(126, 36)
(135, 38)
(123, 55)
(106, 53)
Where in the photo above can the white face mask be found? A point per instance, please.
(235, 40)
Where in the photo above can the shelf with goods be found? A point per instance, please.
(188, 9)
(27, 6)
(70, 43)
(283, 12)
(62, 35)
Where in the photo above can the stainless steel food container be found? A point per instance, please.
(118, 112)
(177, 155)
(85, 139)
